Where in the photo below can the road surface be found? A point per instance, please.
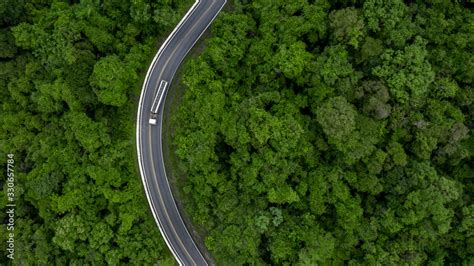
(149, 142)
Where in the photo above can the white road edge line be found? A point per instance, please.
(140, 107)
(144, 87)
(166, 213)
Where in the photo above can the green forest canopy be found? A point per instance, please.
(332, 132)
(70, 76)
(310, 132)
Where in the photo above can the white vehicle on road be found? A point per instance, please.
(157, 102)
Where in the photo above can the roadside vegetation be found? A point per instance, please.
(70, 77)
(332, 132)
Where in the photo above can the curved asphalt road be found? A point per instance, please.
(149, 146)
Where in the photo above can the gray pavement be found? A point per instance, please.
(149, 137)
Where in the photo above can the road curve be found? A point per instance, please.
(149, 142)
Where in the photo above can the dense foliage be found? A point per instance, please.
(70, 73)
(331, 132)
